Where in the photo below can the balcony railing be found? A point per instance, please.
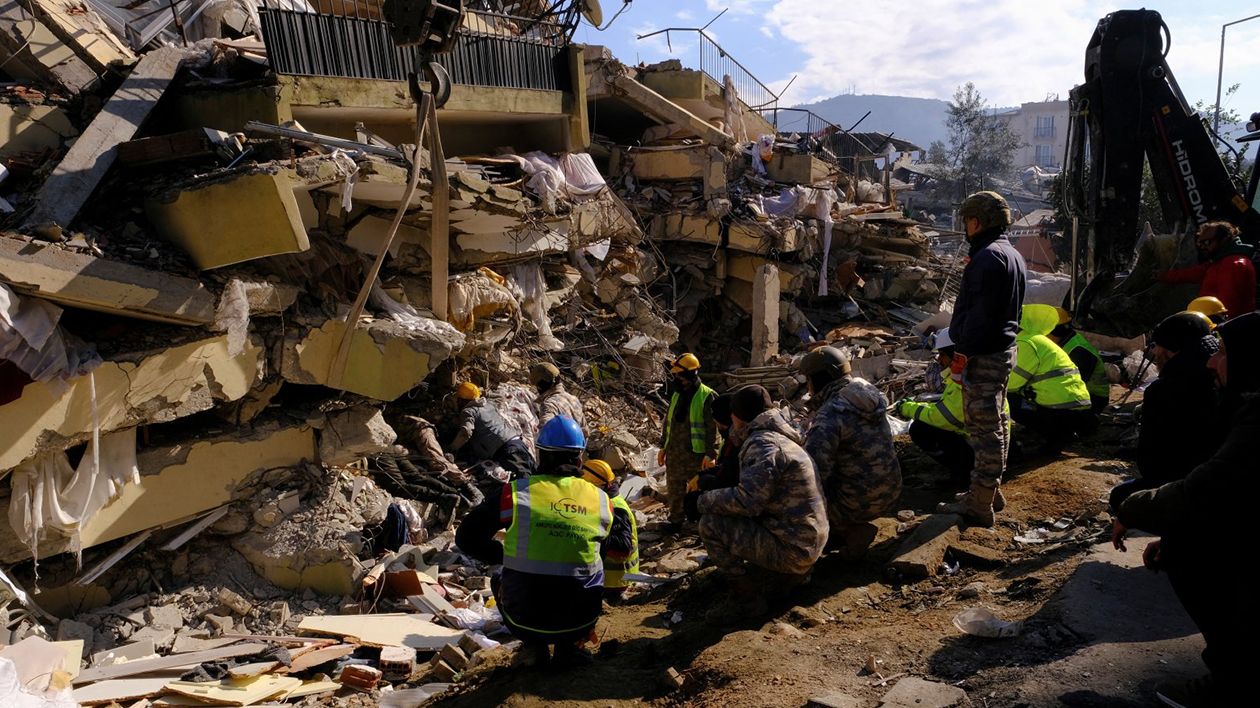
(716, 63)
(349, 39)
(799, 120)
(1044, 131)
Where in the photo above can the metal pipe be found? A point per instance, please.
(1220, 72)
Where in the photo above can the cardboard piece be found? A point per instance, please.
(119, 690)
(382, 630)
(236, 692)
(144, 666)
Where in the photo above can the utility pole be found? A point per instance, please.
(1220, 72)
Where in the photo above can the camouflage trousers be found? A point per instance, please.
(984, 411)
(850, 504)
(680, 467)
(730, 540)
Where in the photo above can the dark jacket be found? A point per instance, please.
(543, 602)
(987, 310)
(1180, 428)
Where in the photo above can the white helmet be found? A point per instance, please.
(941, 339)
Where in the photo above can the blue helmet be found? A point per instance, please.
(561, 433)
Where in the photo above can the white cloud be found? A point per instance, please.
(738, 7)
(681, 45)
(684, 15)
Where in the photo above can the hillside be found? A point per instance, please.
(919, 120)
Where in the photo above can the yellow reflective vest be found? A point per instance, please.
(615, 570)
(1098, 384)
(696, 415)
(557, 525)
(1043, 366)
(946, 413)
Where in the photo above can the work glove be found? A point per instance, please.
(660, 458)
(691, 506)
(904, 409)
(693, 484)
(957, 367)
(707, 463)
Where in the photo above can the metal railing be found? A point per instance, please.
(347, 38)
(716, 63)
(799, 120)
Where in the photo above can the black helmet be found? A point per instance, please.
(1181, 330)
(826, 359)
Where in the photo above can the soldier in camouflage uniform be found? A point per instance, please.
(552, 399)
(774, 520)
(984, 325)
(851, 443)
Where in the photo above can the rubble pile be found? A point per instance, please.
(224, 369)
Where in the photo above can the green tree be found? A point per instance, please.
(981, 144)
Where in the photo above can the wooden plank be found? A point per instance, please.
(122, 552)
(319, 656)
(119, 690)
(134, 668)
(76, 177)
(197, 528)
(394, 629)
(236, 692)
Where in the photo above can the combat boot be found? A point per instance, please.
(745, 599)
(999, 500)
(976, 506)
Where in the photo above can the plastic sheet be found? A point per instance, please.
(981, 622)
(529, 279)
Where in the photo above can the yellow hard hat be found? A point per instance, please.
(1208, 305)
(597, 472)
(1064, 315)
(468, 391)
(686, 362)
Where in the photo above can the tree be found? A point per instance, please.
(1239, 168)
(981, 144)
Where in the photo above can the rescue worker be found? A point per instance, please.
(550, 591)
(1201, 519)
(768, 530)
(1055, 402)
(485, 435)
(616, 565)
(1179, 428)
(1087, 359)
(552, 399)
(1210, 307)
(689, 438)
(983, 327)
(1224, 271)
(938, 428)
(850, 442)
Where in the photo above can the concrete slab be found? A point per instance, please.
(914, 692)
(747, 237)
(27, 128)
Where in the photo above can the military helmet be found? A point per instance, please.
(543, 372)
(990, 208)
(1181, 330)
(825, 359)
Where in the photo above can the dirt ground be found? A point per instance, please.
(822, 637)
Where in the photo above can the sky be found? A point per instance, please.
(1014, 51)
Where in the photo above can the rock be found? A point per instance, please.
(349, 435)
(69, 630)
(160, 636)
(905, 515)
(223, 625)
(234, 602)
(279, 613)
(168, 616)
(976, 555)
(268, 515)
(672, 680)
(233, 523)
(834, 700)
(683, 560)
(923, 551)
(971, 591)
(784, 629)
(914, 692)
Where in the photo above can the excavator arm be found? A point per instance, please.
(1130, 110)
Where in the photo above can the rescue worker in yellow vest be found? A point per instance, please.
(1211, 307)
(1089, 363)
(616, 564)
(938, 425)
(1054, 402)
(689, 438)
(550, 590)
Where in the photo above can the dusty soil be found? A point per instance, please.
(822, 637)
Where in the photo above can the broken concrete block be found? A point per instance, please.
(84, 31)
(799, 168)
(368, 235)
(492, 246)
(32, 128)
(397, 663)
(234, 602)
(69, 630)
(975, 555)
(923, 551)
(77, 280)
(834, 699)
(350, 435)
(386, 359)
(31, 51)
(222, 223)
(792, 276)
(689, 163)
(765, 315)
(454, 656)
(672, 680)
(222, 624)
(160, 636)
(914, 692)
(443, 672)
(169, 616)
(749, 237)
(132, 389)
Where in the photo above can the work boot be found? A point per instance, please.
(1195, 693)
(745, 599)
(999, 500)
(976, 506)
(530, 655)
(851, 541)
(571, 656)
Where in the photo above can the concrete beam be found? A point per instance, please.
(76, 177)
(746, 237)
(149, 387)
(77, 280)
(227, 222)
(665, 111)
(31, 51)
(765, 315)
(80, 28)
(28, 128)
(792, 276)
(386, 359)
(800, 169)
(339, 92)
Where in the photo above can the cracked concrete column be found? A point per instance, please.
(765, 314)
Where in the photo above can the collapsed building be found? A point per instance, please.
(225, 305)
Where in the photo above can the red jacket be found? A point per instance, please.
(1232, 279)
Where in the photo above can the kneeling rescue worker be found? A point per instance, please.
(550, 591)
(616, 565)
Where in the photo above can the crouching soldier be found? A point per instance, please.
(768, 530)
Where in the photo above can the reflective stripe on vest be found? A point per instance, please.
(1098, 383)
(1049, 371)
(615, 570)
(695, 415)
(1054, 374)
(947, 414)
(557, 525)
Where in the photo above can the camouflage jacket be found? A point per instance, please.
(851, 443)
(778, 486)
(557, 401)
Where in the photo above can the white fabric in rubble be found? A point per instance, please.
(410, 317)
(1047, 288)
(822, 212)
(761, 151)
(528, 278)
(49, 495)
(475, 295)
(232, 314)
(515, 402)
(13, 694)
(31, 339)
(546, 178)
(581, 176)
(349, 171)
